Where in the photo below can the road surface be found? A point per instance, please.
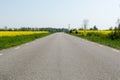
(60, 57)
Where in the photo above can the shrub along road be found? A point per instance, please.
(60, 57)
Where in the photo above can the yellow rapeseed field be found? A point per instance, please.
(104, 32)
(17, 33)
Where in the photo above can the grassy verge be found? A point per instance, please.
(7, 42)
(102, 40)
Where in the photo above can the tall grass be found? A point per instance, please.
(100, 37)
(9, 41)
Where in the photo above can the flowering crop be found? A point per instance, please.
(96, 31)
(14, 38)
(106, 37)
(85, 32)
(18, 33)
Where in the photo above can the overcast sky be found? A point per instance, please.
(59, 13)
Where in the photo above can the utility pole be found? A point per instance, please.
(85, 24)
(69, 27)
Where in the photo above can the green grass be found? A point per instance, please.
(103, 40)
(7, 42)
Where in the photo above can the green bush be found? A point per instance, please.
(115, 35)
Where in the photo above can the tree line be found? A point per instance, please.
(35, 29)
(114, 35)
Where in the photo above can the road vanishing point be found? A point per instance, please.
(60, 56)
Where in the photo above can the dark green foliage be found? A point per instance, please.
(91, 28)
(76, 32)
(70, 31)
(116, 34)
(53, 30)
(111, 28)
(94, 28)
(80, 29)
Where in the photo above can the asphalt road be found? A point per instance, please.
(60, 57)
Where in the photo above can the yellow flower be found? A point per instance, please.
(84, 32)
(17, 33)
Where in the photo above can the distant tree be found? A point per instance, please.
(119, 27)
(76, 32)
(111, 28)
(80, 29)
(74, 29)
(91, 28)
(70, 31)
(95, 28)
(116, 34)
(10, 29)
